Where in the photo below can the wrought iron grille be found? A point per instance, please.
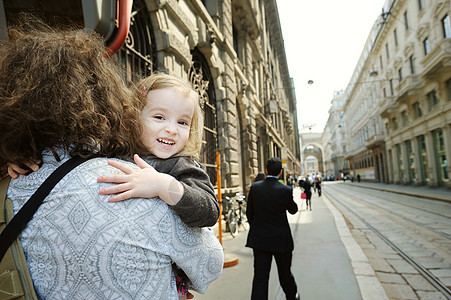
(138, 53)
(203, 83)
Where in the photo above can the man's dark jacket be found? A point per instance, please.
(267, 206)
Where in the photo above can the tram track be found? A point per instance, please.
(405, 203)
(431, 278)
(443, 234)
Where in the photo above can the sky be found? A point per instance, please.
(323, 42)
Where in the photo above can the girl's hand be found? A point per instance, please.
(141, 183)
(14, 170)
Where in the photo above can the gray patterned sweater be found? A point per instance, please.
(79, 246)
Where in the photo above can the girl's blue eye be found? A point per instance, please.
(183, 123)
(159, 117)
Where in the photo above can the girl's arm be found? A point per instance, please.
(198, 206)
(179, 182)
(145, 182)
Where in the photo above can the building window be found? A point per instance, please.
(394, 123)
(448, 89)
(417, 110)
(385, 92)
(395, 34)
(380, 61)
(386, 51)
(406, 20)
(427, 46)
(439, 142)
(412, 64)
(405, 118)
(420, 4)
(235, 41)
(202, 79)
(392, 92)
(138, 55)
(446, 27)
(400, 74)
(432, 100)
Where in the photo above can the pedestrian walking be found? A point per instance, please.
(270, 234)
(313, 182)
(308, 192)
(318, 186)
(290, 181)
(260, 176)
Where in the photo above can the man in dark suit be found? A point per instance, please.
(270, 235)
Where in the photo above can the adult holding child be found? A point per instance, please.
(60, 98)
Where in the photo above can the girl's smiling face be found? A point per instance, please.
(167, 120)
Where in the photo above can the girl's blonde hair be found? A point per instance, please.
(158, 81)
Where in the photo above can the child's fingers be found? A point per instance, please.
(33, 165)
(140, 162)
(121, 197)
(18, 169)
(115, 189)
(120, 166)
(112, 178)
(12, 173)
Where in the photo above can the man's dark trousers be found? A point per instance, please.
(262, 267)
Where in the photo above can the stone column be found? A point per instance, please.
(447, 138)
(390, 177)
(432, 162)
(418, 175)
(396, 176)
(404, 154)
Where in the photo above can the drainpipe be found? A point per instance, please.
(123, 27)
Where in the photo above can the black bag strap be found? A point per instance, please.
(25, 214)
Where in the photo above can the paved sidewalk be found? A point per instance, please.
(327, 262)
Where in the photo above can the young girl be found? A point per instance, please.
(173, 134)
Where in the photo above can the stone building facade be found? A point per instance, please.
(398, 103)
(312, 155)
(233, 52)
(334, 139)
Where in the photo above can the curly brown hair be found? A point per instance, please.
(57, 90)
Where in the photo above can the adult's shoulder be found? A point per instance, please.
(258, 183)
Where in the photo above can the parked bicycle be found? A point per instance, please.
(234, 211)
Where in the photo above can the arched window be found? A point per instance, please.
(203, 83)
(138, 54)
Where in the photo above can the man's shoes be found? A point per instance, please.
(297, 297)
